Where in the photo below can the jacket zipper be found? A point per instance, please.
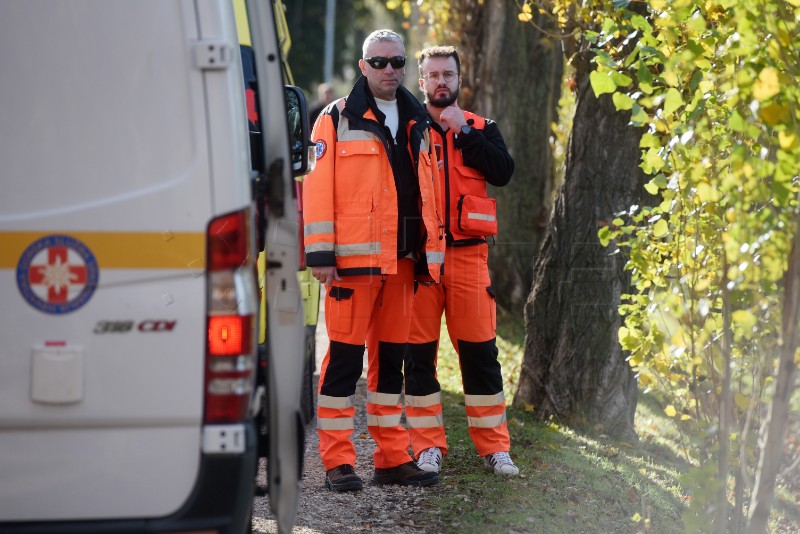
(448, 234)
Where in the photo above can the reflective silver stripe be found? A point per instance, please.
(434, 257)
(427, 421)
(485, 400)
(384, 399)
(481, 217)
(423, 401)
(492, 421)
(318, 228)
(320, 247)
(358, 249)
(335, 423)
(383, 420)
(339, 403)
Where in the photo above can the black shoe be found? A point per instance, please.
(407, 474)
(343, 478)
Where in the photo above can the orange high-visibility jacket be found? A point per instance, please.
(488, 161)
(350, 200)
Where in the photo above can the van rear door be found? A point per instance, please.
(284, 308)
(108, 176)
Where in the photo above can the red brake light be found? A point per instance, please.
(228, 241)
(228, 335)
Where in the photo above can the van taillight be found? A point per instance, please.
(231, 302)
(228, 241)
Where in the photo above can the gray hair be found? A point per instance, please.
(378, 36)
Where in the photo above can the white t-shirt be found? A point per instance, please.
(389, 108)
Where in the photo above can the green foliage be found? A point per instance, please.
(714, 84)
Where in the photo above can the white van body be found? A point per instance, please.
(124, 134)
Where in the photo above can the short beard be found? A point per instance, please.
(443, 102)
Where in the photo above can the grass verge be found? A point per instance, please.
(569, 482)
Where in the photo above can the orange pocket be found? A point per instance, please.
(493, 307)
(477, 215)
(339, 312)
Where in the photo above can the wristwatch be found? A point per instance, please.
(466, 129)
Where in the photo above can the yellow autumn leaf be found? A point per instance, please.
(653, 161)
(526, 14)
(787, 139)
(646, 380)
(661, 228)
(767, 84)
(622, 101)
(742, 401)
(706, 86)
(775, 114)
(673, 101)
(744, 319)
(706, 193)
(670, 411)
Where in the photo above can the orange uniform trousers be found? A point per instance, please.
(375, 309)
(466, 298)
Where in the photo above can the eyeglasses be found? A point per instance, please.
(380, 62)
(447, 76)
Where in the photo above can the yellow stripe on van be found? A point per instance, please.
(120, 250)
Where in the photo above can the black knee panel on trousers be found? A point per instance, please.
(421, 369)
(479, 367)
(344, 369)
(390, 366)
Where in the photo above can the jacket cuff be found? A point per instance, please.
(321, 259)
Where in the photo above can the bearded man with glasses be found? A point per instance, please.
(472, 153)
(371, 224)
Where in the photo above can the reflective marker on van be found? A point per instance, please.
(230, 345)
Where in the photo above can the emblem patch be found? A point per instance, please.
(321, 148)
(57, 274)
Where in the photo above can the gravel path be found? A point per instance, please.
(378, 509)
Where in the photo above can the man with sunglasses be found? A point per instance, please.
(371, 224)
(472, 153)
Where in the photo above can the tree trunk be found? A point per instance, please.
(573, 367)
(772, 453)
(515, 79)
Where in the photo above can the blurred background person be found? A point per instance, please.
(324, 97)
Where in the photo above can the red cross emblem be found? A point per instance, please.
(57, 274)
(54, 274)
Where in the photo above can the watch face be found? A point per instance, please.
(466, 129)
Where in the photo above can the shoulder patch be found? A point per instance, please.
(321, 148)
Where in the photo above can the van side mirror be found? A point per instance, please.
(302, 151)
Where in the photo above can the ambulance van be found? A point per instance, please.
(131, 395)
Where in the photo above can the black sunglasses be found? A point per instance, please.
(380, 62)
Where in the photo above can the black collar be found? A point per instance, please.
(361, 99)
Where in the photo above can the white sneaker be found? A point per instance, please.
(430, 460)
(500, 463)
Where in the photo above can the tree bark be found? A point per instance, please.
(573, 367)
(515, 79)
(769, 462)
